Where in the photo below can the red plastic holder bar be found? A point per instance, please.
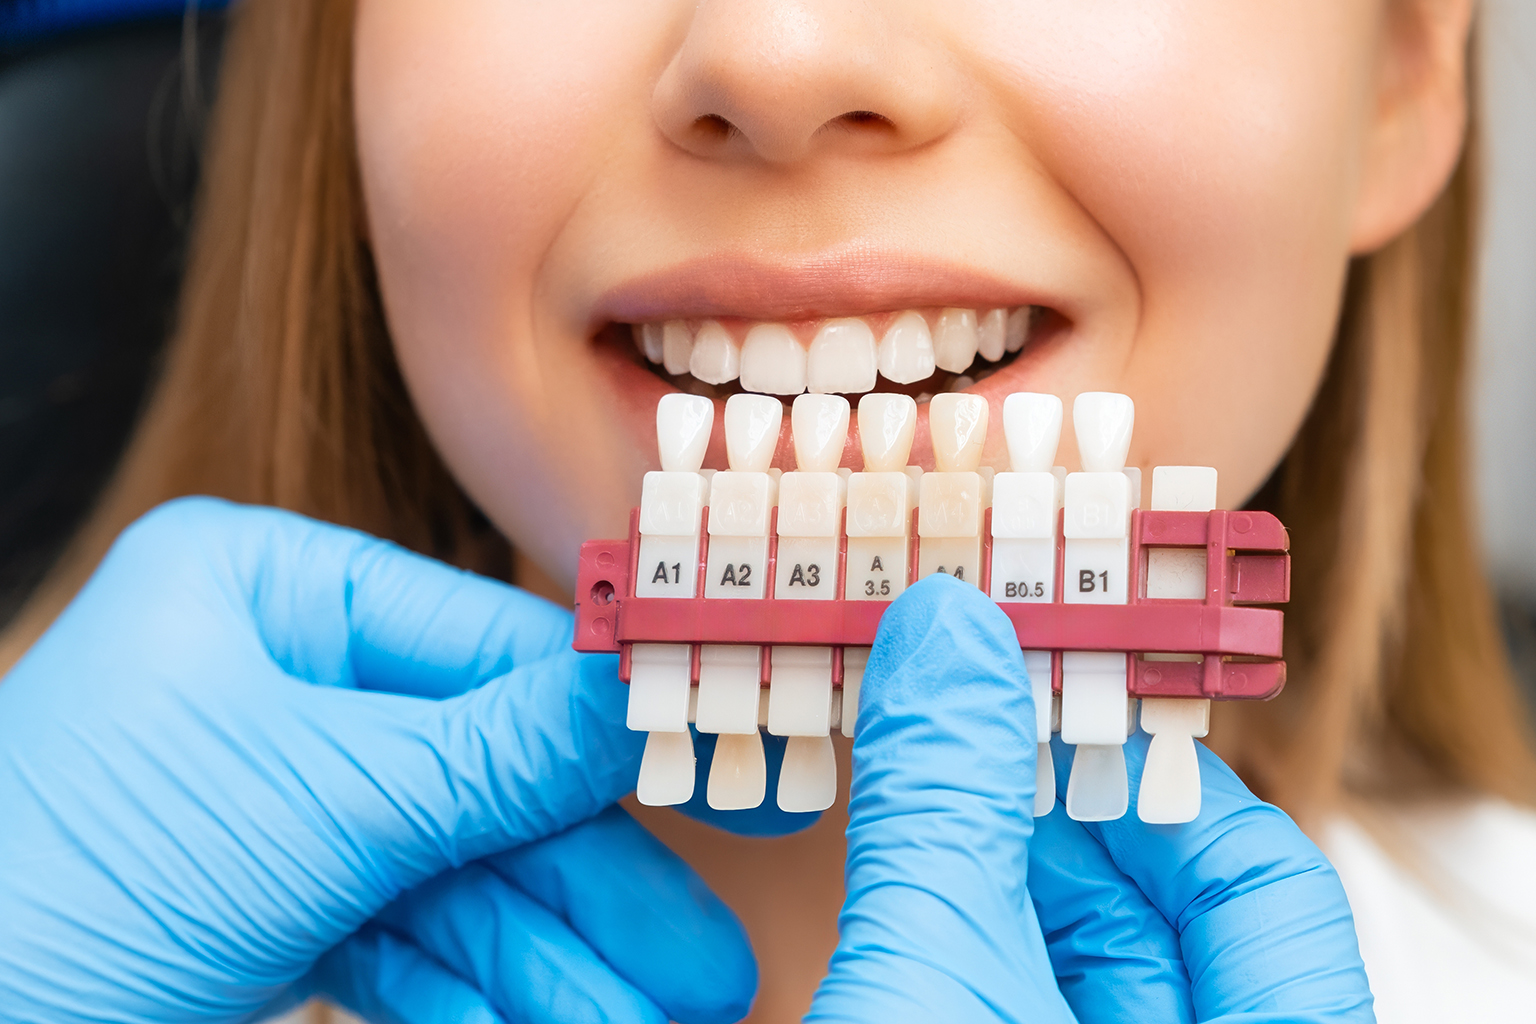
(1239, 646)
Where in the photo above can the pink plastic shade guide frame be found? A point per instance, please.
(1247, 564)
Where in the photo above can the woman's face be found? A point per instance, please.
(1161, 196)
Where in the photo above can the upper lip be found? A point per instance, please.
(849, 282)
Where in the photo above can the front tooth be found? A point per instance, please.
(1103, 421)
(683, 425)
(1018, 328)
(958, 427)
(955, 340)
(906, 351)
(993, 334)
(715, 358)
(772, 361)
(887, 423)
(676, 346)
(820, 427)
(648, 341)
(1032, 427)
(842, 358)
(752, 432)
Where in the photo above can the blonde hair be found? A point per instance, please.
(280, 387)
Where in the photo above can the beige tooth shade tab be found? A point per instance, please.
(958, 426)
(820, 427)
(887, 424)
(752, 425)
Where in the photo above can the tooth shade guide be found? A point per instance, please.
(1096, 532)
(1212, 646)
(1170, 781)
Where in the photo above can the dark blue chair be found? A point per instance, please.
(101, 109)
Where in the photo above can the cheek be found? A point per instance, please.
(476, 148)
(1216, 146)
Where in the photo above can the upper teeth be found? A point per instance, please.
(842, 357)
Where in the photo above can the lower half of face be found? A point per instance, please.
(578, 208)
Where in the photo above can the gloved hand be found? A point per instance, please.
(261, 757)
(960, 906)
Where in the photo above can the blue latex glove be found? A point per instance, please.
(960, 906)
(260, 757)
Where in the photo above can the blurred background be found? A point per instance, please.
(1504, 379)
(102, 105)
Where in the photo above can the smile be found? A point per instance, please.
(923, 352)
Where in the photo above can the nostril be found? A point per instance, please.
(714, 126)
(857, 120)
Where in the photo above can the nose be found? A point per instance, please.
(780, 81)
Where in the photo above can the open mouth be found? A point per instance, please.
(921, 352)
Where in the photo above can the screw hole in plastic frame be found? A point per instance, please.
(602, 592)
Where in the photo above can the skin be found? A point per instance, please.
(1183, 181)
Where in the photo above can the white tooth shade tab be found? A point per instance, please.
(1103, 421)
(820, 427)
(1032, 427)
(1184, 488)
(1170, 780)
(808, 777)
(683, 426)
(992, 335)
(773, 361)
(1018, 328)
(648, 341)
(955, 340)
(887, 423)
(738, 776)
(1097, 788)
(842, 359)
(715, 358)
(1096, 520)
(752, 425)
(957, 424)
(906, 351)
(676, 346)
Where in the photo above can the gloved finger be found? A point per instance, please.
(1114, 954)
(937, 923)
(1264, 924)
(418, 786)
(338, 607)
(528, 963)
(644, 911)
(385, 979)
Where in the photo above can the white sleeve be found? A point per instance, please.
(1447, 919)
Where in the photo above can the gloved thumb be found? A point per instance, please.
(937, 923)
